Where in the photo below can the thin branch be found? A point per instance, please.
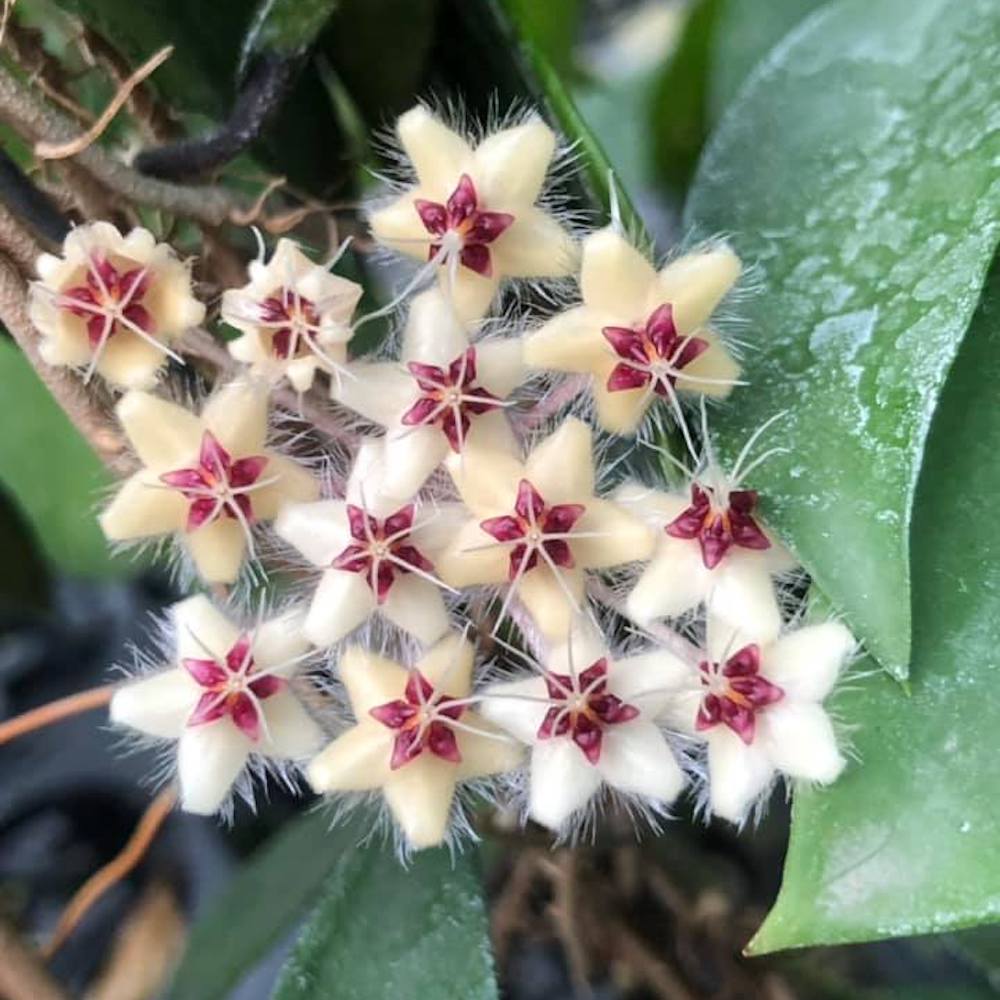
(22, 110)
(20, 245)
(62, 708)
(99, 431)
(22, 975)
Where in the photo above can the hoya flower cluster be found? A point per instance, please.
(484, 600)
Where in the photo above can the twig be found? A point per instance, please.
(114, 871)
(99, 431)
(63, 708)
(22, 975)
(657, 975)
(46, 150)
(20, 109)
(563, 874)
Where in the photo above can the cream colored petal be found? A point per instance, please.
(319, 530)
(486, 480)
(139, 244)
(466, 563)
(694, 285)
(486, 755)
(680, 713)
(449, 665)
(800, 741)
(674, 582)
(380, 391)
(433, 335)
(237, 416)
(500, 365)
(489, 432)
(517, 707)
(737, 773)
(439, 154)
(470, 294)
(420, 794)
(170, 300)
(653, 505)
(279, 641)
(301, 372)
(562, 781)
(370, 679)
(201, 630)
(62, 344)
(435, 525)
(342, 602)
(510, 165)
(722, 639)
(209, 759)
(713, 373)
(778, 558)
(158, 705)
(561, 467)
(619, 536)
(294, 483)
(248, 348)
(416, 606)
(805, 663)
(291, 732)
(574, 652)
(397, 225)
(217, 549)
(130, 362)
(569, 342)
(652, 680)
(356, 761)
(535, 246)
(548, 602)
(143, 508)
(411, 455)
(742, 596)
(164, 435)
(620, 411)
(615, 277)
(636, 759)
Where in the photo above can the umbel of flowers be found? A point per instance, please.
(467, 558)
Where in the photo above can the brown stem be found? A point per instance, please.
(18, 243)
(62, 708)
(20, 109)
(22, 975)
(99, 431)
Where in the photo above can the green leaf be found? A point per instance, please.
(905, 842)
(385, 931)
(745, 32)
(550, 27)
(50, 471)
(858, 168)
(270, 895)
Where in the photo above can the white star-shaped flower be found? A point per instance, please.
(641, 334)
(295, 317)
(446, 394)
(225, 697)
(113, 304)
(208, 479)
(537, 527)
(590, 720)
(759, 707)
(415, 738)
(377, 551)
(473, 210)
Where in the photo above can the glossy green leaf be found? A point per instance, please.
(271, 894)
(858, 169)
(50, 471)
(551, 27)
(905, 842)
(385, 931)
(745, 31)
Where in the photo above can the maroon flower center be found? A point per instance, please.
(233, 687)
(381, 549)
(653, 353)
(292, 318)
(461, 226)
(735, 692)
(719, 527)
(583, 709)
(109, 300)
(449, 397)
(535, 530)
(217, 485)
(420, 719)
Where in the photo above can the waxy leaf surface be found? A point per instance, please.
(905, 842)
(858, 170)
